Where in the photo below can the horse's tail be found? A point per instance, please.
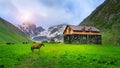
(31, 49)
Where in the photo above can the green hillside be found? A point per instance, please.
(10, 33)
(107, 18)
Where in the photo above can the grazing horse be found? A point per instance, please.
(37, 46)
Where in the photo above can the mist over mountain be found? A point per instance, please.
(106, 17)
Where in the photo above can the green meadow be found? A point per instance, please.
(59, 56)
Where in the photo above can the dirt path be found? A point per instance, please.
(28, 62)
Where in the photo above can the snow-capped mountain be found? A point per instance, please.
(30, 29)
(53, 33)
(56, 30)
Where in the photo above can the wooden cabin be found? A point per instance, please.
(82, 34)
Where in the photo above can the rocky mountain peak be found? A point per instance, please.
(40, 34)
(30, 29)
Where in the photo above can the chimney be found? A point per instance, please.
(83, 29)
(90, 29)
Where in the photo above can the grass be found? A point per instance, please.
(59, 56)
(10, 33)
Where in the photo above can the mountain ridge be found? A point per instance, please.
(54, 32)
(106, 17)
(10, 33)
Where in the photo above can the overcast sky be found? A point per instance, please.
(47, 12)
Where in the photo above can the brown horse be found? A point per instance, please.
(37, 46)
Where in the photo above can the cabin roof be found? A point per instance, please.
(85, 28)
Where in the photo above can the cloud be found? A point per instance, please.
(47, 12)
